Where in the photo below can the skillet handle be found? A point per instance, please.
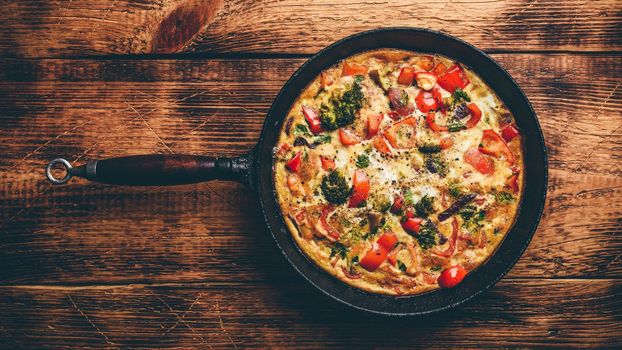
(157, 169)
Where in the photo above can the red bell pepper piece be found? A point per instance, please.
(327, 163)
(398, 205)
(412, 225)
(393, 115)
(509, 132)
(391, 136)
(313, 119)
(426, 101)
(360, 188)
(407, 76)
(294, 163)
(492, 144)
(439, 69)
(431, 120)
(426, 80)
(388, 240)
(353, 69)
(374, 257)
(453, 78)
(373, 124)
(452, 276)
(476, 115)
(380, 143)
(347, 138)
(479, 161)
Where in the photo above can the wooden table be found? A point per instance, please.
(92, 265)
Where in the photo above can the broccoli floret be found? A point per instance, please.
(335, 188)
(424, 207)
(459, 95)
(427, 235)
(341, 111)
(429, 148)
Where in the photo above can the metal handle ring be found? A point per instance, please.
(68, 168)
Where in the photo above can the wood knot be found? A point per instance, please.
(183, 24)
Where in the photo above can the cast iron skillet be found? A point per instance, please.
(255, 170)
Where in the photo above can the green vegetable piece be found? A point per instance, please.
(460, 95)
(427, 235)
(424, 207)
(435, 164)
(429, 148)
(504, 197)
(455, 126)
(436, 268)
(301, 130)
(341, 111)
(362, 161)
(339, 249)
(335, 188)
(455, 191)
(401, 265)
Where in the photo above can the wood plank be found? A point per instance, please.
(88, 109)
(37, 28)
(520, 313)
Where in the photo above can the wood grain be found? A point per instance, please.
(515, 314)
(38, 28)
(87, 109)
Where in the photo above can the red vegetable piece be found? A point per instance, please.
(449, 252)
(426, 62)
(332, 232)
(353, 69)
(285, 147)
(412, 225)
(453, 78)
(476, 115)
(391, 133)
(388, 240)
(452, 276)
(446, 142)
(439, 69)
(407, 76)
(313, 119)
(479, 161)
(398, 205)
(373, 124)
(509, 132)
(347, 138)
(426, 101)
(374, 257)
(493, 145)
(380, 143)
(294, 163)
(426, 80)
(327, 163)
(431, 120)
(393, 115)
(360, 188)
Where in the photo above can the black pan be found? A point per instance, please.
(255, 170)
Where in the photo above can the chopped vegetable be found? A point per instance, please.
(398, 205)
(391, 133)
(400, 101)
(503, 197)
(426, 62)
(479, 161)
(492, 144)
(452, 276)
(453, 78)
(427, 235)
(435, 164)
(341, 110)
(426, 101)
(449, 252)
(446, 143)
(456, 206)
(425, 206)
(429, 148)
(512, 183)
(325, 226)
(373, 124)
(388, 240)
(460, 95)
(431, 120)
(347, 137)
(335, 188)
(440, 69)
(379, 80)
(352, 69)
(374, 257)
(360, 189)
(476, 115)
(412, 225)
(327, 163)
(380, 143)
(312, 119)
(425, 80)
(407, 76)
(455, 126)
(362, 161)
(401, 266)
(301, 130)
(339, 249)
(509, 132)
(294, 163)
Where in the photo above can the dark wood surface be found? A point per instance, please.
(90, 265)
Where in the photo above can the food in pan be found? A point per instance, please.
(398, 172)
